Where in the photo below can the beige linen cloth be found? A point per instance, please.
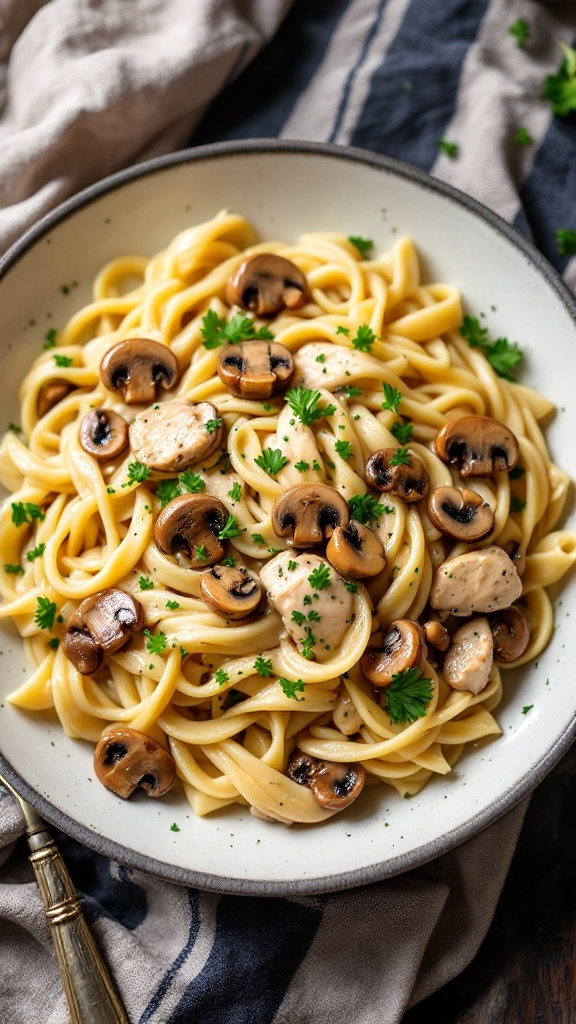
(87, 88)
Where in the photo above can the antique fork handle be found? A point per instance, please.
(92, 998)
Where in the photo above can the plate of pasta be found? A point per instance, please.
(287, 534)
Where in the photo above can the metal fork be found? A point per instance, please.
(90, 992)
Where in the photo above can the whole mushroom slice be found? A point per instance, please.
(478, 581)
(138, 367)
(468, 663)
(460, 513)
(230, 592)
(406, 480)
(355, 551)
(176, 434)
(125, 759)
(265, 284)
(188, 527)
(309, 513)
(255, 369)
(333, 785)
(52, 392)
(103, 434)
(101, 625)
(404, 646)
(511, 634)
(478, 445)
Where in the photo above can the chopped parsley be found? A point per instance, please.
(14, 428)
(258, 538)
(202, 553)
(501, 354)
(230, 529)
(364, 245)
(523, 138)
(292, 565)
(321, 358)
(236, 492)
(221, 676)
(407, 696)
(174, 827)
(229, 561)
(527, 708)
(560, 89)
(156, 642)
(189, 483)
(63, 360)
(565, 241)
(45, 613)
(298, 617)
(363, 508)
(50, 336)
(212, 425)
(343, 330)
(401, 457)
(449, 148)
(319, 578)
(172, 605)
(351, 587)
(291, 687)
(166, 490)
(344, 449)
(263, 666)
(307, 645)
(364, 338)
(353, 392)
(36, 552)
(521, 31)
(26, 512)
(54, 643)
(304, 404)
(392, 397)
(302, 466)
(137, 473)
(402, 431)
(271, 461)
(217, 331)
(313, 616)
(13, 570)
(145, 584)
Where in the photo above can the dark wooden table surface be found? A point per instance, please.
(525, 971)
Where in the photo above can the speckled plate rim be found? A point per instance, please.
(512, 796)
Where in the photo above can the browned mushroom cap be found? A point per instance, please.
(51, 393)
(478, 445)
(255, 369)
(125, 759)
(403, 647)
(437, 635)
(334, 786)
(177, 434)
(460, 513)
(511, 634)
(189, 526)
(355, 551)
(230, 592)
(103, 434)
(101, 625)
(138, 367)
(265, 284)
(308, 513)
(408, 481)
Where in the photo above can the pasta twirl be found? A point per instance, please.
(232, 700)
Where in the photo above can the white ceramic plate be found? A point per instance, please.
(285, 189)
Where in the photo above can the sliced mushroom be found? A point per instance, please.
(188, 528)
(345, 716)
(51, 393)
(230, 592)
(478, 445)
(101, 625)
(177, 434)
(308, 513)
(138, 367)
(468, 663)
(266, 283)
(355, 551)
(478, 581)
(437, 635)
(462, 514)
(408, 481)
(103, 434)
(125, 759)
(404, 646)
(334, 786)
(255, 369)
(511, 634)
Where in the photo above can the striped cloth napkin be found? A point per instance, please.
(89, 86)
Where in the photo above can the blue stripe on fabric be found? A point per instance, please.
(260, 102)
(118, 899)
(345, 98)
(179, 961)
(413, 94)
(259, 945)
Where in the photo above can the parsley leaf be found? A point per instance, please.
(565, 241)
(304, 404)
(189, 483)
(63, 360)
(364, 245)
(319, 578)
(560, 89)
(364, 338)
(166, 490)
(236, 492)
(527, 708)
(392, 397)
(51, 336)
(212, 425)
(13, 570)
(523, 137)
(401, 457)
(291, 687)
(449, 148)
(344, 449)
(307, 645)
(407, 696)
(501, 354)
(25, 512)
(521, 30)
(298, 617)
(258, 538)
(54, 643)
(230, 529)
(363, 508)
(292, 565)
(402, 431)
(221, 676)
(144, 583)
(343, 330)
(263, 666)
(14, 428)
(353, 392)
(35, 553)
(271, 461)
(351, 587)
(172, 605)
(202, 553)
(45, 613)
(217, 331)
(156, 642)
(229, 561)
(137, 473)
(301, 466)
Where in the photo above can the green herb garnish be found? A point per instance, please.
(523, 138)
(319, 578)
(63, 360)
(344, 449)
(271, 461)
(401, 457)
(363, 508)
(156, 642)
(263, 666)
(144, 583)
(521, 31)
(230, 529)
(304, 404)
(25, 512)
(217, 331)
(364, 338)
(407, 696)
(364, 245)
(501, 354)
(560, 89)
(392, 397)
(236, 492)
(31, 556)
(291, 687)
(45, 613)
(402, 431)
(565, 241)
(449, 148)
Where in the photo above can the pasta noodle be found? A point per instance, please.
(205, 688)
